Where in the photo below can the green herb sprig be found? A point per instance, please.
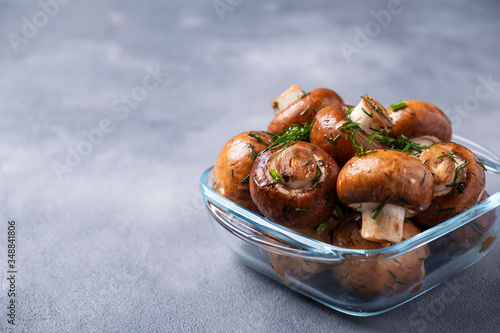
(288, 137)
(457, 185)
(275, 175)
(398, 106)
(322, 226)
(379, 208)
(258, 138)
(402, 143)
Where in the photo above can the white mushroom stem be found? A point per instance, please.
(363, 115)
(386, 227)
(287, 98)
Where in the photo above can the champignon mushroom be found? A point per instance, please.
(295, 186)
(459, 181)
(326, 133)
(415, 119)
(467, 236)
(386, 186)
(377, 275)
(234, 163)
(370, 115)
(303, 110)
(287, 266)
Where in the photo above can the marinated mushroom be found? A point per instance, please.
(370, 115)
(234, 163)
(374, 277)
(466, 237)
(294, 267)
(386, 186)
(303, 110)
(420, 121)
(295, 186)
(459, 181)
(327, 132)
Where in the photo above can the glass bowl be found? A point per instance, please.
(321, 271)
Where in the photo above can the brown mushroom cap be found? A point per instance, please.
(305, 193)
(377, 277)
(233, 165)
(386, 176)
(326, 134)
(303, 110)
(418, 119)
(454, 202)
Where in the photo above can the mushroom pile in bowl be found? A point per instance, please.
(355, 176)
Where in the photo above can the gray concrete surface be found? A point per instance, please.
(111, 110)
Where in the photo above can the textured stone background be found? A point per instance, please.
(118, 240)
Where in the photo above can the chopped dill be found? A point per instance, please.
(379, 208)
(288, 137)
(245, 180)
(450, 155)
(402, 282)
(332, 140)
(366, 112)
(254, 153)
(398, 106)
(305, 111)
(258, 138)
(403, 200)
(319, 173)
(482, 165)
(322, 226)
(275, 175)
(255, 182)
(448, 210)
(458, 185)
(306, 163)
(423, 179)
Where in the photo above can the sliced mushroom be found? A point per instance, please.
(287, 98)
(370, 115)
(459, 181)
(377, 275)
(386, 186)
(234, 163)
(303, 110)
(415, 119)
(326, 133)
(295, 186)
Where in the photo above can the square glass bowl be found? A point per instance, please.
(321, 271)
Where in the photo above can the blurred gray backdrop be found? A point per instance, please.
(111, 110)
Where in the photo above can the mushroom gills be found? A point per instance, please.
(386, 227)
(287, 98)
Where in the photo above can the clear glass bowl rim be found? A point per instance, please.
(317, 250)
